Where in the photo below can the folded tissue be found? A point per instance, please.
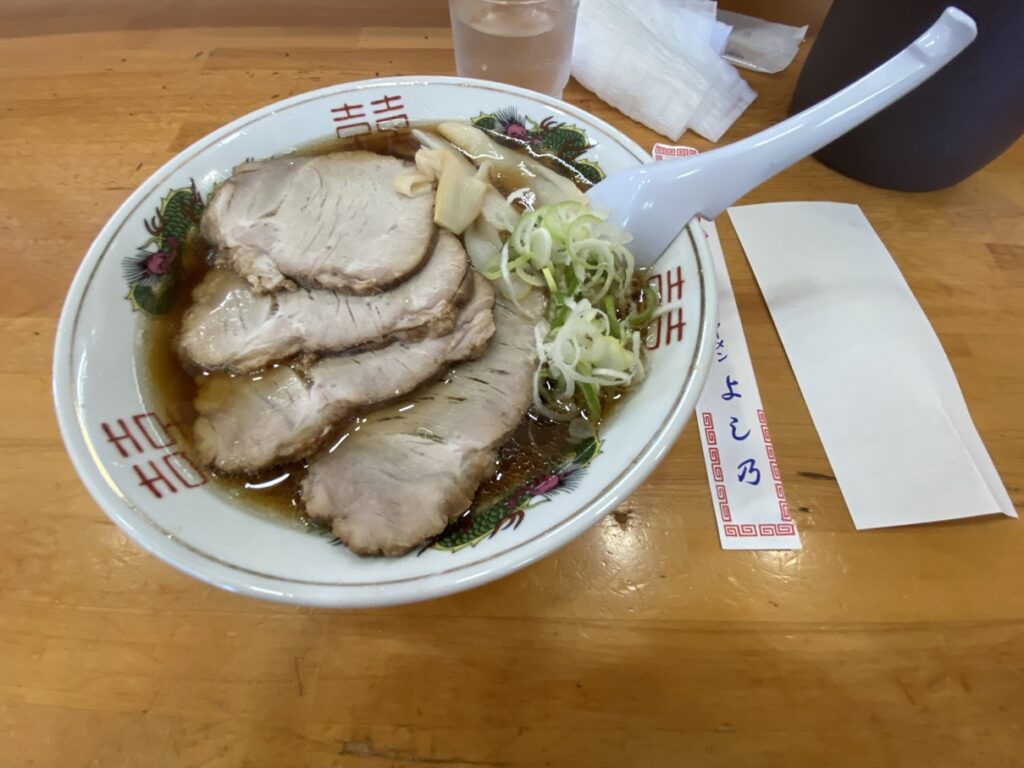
(658, 62)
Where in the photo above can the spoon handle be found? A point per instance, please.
(741, 166)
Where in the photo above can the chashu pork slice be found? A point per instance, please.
(231, 327)
(333, 221)
(411, 468)
(249, 423)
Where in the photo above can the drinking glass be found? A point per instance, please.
(521, 42)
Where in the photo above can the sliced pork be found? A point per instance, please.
(231, 327)
(331, 221)
(410, 469)
(249, 423)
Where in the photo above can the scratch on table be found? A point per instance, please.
(298, 676)
(906, 691)
(816, 475)
(366, 749)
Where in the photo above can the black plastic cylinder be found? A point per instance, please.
(949, 127)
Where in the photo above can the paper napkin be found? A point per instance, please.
(879, 387)
(656, 61)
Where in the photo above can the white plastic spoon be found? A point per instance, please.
(655, 201)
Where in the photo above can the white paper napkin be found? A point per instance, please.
(654, 60)
(760, 45)
(881, 391)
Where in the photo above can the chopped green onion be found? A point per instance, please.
(592, 399)
(590, 337)
(609, 309)
(650, 302)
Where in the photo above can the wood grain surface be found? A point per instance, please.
(642, 643)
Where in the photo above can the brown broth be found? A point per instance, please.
(174, 391)
(529, 452)
(399, 143)
(532, 448)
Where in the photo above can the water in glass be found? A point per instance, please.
(522, 42)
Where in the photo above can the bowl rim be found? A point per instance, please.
(217, 572)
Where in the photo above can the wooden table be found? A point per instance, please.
(642, 643)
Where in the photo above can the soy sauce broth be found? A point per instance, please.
(174, 390)
(535, 446)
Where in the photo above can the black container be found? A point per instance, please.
(950, 126)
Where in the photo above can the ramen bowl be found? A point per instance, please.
(132, 455)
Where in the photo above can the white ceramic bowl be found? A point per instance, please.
(131, 460)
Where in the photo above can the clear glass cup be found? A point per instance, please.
(521, 42)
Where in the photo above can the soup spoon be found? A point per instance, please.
(655, 201)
